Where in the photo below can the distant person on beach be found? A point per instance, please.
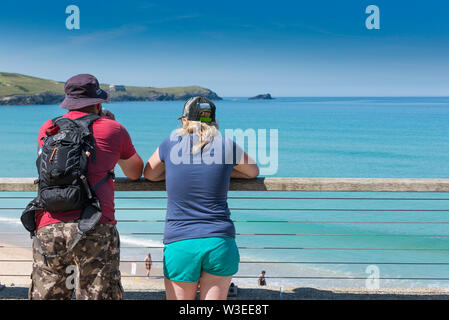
(197, 164)
(148, 263)
(232, 290)
(95, 258)
(262, 281)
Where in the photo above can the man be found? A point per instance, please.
(148, 263)
(92, 267)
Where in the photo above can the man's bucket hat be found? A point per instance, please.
(81, 91)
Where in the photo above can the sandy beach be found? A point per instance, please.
(16, 266)
(16, 260)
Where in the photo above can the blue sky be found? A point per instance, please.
(236, 48)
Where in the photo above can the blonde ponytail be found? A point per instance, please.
(205, 132)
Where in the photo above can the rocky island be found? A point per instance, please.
(18, 89)
(265, 96)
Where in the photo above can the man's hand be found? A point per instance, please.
(107, 114)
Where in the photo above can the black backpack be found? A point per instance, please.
(62, 165)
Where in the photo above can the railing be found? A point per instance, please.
(303, 187)
(274, 184)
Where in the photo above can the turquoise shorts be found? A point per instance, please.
(184, 260)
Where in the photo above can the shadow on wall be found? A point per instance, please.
(268, 293)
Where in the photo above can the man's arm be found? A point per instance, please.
(155, 168)
(132, 167)
(130, 162)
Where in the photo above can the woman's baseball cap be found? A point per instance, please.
(199, 109)
(81, 91)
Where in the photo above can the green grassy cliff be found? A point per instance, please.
(19, 84)
(19, 89)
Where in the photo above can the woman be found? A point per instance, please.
(197, 163)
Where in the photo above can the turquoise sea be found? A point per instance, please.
(318, 137)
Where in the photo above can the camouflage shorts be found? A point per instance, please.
(91, 270)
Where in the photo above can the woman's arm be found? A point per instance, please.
(246, 169)
(155, 168)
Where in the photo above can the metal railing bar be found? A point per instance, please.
(261, 198)
(330, 249)
(338, 278)
(307, 278)
(326, 221)
(315, 221)
(332, 209)
(280, 248)
(273, 277)
(291, 234)
(312, 234)
(277, 221)
(283, 209)
(304, 209)
(316, 262)
(341, 235)
(334, 198)
(289, 262)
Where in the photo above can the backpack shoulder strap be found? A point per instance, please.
(85, 123)
(87, 120)
(110, 174)
(53, 121)
(63, 122)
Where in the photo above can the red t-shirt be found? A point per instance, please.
(112, 144)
